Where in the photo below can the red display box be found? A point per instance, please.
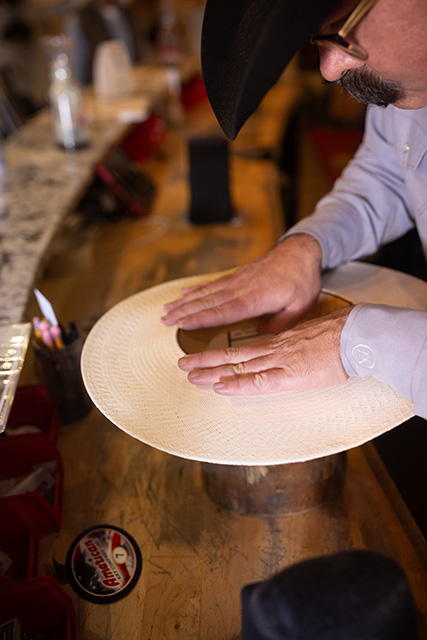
(32, 405)
(193, 92)
(41, 606)
(145, 138)
(18, 543)
(18, 455)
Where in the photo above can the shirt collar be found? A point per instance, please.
(410, 139)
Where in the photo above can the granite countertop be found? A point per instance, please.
(41, 184)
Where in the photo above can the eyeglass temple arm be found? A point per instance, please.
(354, 17)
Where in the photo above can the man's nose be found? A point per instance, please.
(334, 62)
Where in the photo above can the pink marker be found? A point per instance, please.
(56, 335)
(47, 338)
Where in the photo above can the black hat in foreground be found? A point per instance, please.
(246, 45)
(350, 595)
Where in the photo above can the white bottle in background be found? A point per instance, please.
(112, 70)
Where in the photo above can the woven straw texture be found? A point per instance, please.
(129, 366)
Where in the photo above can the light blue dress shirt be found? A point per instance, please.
(380, 195)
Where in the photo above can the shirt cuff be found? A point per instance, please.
(389, 344)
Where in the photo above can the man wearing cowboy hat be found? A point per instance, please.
(378, 51)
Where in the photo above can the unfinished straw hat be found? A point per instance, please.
(129, 366)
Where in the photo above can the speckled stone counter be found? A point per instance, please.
(41, 184)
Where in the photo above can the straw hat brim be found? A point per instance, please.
(129, 366)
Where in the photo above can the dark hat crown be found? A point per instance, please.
(246, 45)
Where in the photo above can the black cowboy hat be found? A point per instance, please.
(349, 595)
(246, 45)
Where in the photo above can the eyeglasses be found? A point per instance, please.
(338, 39)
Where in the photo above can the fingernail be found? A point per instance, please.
(183, 361)
(218, 385)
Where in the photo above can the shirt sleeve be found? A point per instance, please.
(390, 344)
(368, 205)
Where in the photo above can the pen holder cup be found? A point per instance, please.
(59, 371)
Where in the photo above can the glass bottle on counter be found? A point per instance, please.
(168, 40)
(68, 116)
(170, 56)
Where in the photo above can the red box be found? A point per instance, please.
(41, 606)
(32, 405)
(145, 138)
(193, 92)
(18, 540)
(17, 456)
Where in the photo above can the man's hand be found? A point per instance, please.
(306, 357)
(284, 282)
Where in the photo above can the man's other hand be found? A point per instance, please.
(285, 282)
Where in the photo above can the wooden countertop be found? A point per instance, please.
(197, 556)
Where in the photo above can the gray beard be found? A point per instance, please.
(362, 85)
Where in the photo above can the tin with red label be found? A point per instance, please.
(103, 564)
